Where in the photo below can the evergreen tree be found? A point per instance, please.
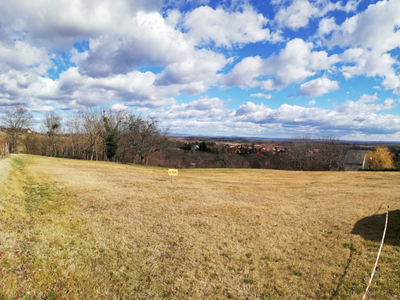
(111, 136)
(203, 147)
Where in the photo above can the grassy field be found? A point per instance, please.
(95, 230)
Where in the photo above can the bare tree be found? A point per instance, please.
(331, 153)
(74, 130)
(145, 136)
(91, 123)
(301, 152)
(15, 120)
(52, 127)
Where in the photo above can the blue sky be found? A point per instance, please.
(247, 68)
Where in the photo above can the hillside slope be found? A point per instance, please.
(97, 230)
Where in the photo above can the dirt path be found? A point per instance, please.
(5, 168)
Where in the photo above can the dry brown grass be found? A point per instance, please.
(98, 230)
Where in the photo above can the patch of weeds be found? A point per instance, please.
(349, 245)
(19, 162)
(248, 255)
(224, 254)
(297, 273)
(266, 296)
(290, 267)
(51, 295)
(248, 281)
(266, 257)
(37, 195)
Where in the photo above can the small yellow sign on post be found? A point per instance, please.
(172, 173)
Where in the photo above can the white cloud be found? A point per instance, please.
(261, 95)
(117, 107)
(296, 15)
(361, 106)
(296, 118)
(371, 64)
(201, 110)
(145, 40)
(293, 64)
(227, 29)
(244, 72)
(62, 23)
(199, 67)
(299, 12)
(318, 87)
(22, 56)
(326, 26)
(311, 103)
(377, 87)
(374, 28)
(73, 90)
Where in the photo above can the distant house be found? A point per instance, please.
(234, 149)
(354, 160)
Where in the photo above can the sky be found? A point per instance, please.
(270, 69)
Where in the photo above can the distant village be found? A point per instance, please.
(179, 152)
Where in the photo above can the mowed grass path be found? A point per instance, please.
(74, 229)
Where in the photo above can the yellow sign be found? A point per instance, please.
(173, 172)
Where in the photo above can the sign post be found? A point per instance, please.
(172, 173)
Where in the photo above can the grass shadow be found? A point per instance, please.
(371, 228)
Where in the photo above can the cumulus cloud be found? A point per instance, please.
(227, 28)
(326, 26)
(73, 90)
(361, 106)
(198, 68)
(293, 117)
(244, 72)
(22, 56)
(49, 23)
(318, 87)
(358, 61)
(187, 53)
(145, 40)
(299, 12)
(117, 107)
(374, 28)
(261, 95)
(203, 109)
(293, 64)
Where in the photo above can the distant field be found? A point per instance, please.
(74, 229)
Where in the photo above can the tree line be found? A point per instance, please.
(106, 135)
(91, 134)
